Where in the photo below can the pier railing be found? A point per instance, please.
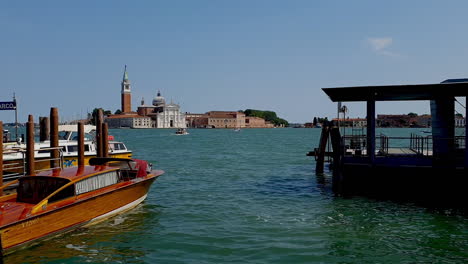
(356, 145)
(14, 163)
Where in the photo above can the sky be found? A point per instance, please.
(225, 55)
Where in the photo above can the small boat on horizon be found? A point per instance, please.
(60, 200)
(181, 131)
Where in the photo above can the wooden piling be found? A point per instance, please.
(54, 140)
(322, 149)
(105, 140)
(81, 148)
(337, 145)
(44, 128)
(1, 157)
(98, 118)
(30, 168)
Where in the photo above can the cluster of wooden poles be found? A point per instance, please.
(102, 144)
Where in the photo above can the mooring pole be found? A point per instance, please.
(105, 140)
(1, 157)
(30, 169)
(81, 148)
(322, 148)
(99, 151)
(54, 140)
(337, 178)
(371, 127)
(44, 128)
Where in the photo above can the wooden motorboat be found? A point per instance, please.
(60, 200)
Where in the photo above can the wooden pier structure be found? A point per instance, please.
(428, 168)
(30, 163)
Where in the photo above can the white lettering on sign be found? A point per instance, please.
(7, 106)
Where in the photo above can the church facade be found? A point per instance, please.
(157, 115)
(163, 115)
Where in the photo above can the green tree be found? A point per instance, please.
(269, 116)
(411, 114)
(93, 117)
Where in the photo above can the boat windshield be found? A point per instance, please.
(35, 188)
(72, 135)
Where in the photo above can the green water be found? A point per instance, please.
(253, 197)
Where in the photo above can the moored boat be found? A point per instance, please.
(14, 153)
(60, 200)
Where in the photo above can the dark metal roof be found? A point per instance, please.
(455, 87)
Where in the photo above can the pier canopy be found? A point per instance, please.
(451, 87)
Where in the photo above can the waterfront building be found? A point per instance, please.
(352, 122)
(163, 115)
(157, 115)
(196, 120)
(226, 119)
(126, 93)
(129, 121)
(257, 122)
(460, 121)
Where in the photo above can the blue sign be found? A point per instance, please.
(8, 105)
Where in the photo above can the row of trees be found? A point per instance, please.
(269, 116)
(91, 116)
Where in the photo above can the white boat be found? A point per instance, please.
(181, 131)
(14, 154)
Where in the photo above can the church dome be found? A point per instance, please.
(159, 100)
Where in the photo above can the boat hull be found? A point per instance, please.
(82, 212)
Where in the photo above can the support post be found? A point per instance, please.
(98, 123)
(105, 140)
(466, 133)
(322, 149)
(337, 178)
(30, 169)
(81, 148)
(443, 131)
(54, 141)
(371, 127)
(44, 128)
(1, 157)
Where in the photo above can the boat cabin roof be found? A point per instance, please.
(451, 87)
(75, 173)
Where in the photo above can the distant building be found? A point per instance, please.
(196, 120)
(163, 115)
(225, 119)
(257, 122)
(126, 93)
(460, 121)
(393, 120)
(157, 115)
(129, 121)
(421, 121)
(352, 122)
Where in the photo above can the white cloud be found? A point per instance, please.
(379, 44)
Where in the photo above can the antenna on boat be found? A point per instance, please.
(16, 116)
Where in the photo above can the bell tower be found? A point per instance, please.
(126, 93)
